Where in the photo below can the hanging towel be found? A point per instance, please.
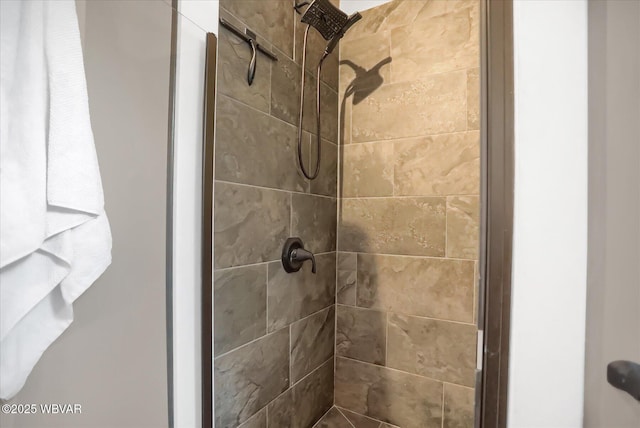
(55, 239)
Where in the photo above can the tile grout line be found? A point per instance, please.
(411, 137)
(440, 258)
(323, 253)
(405, 372)
(400, 197)
(442, 416)
(274, 189)
(470, 323)
(344, 416)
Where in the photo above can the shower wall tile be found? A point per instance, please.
(249, 377)
(315, 48)
(360, 421)
(361, 334)
(329, 110)
(441, 350)
(346, 286)
(391, 396)
(435, 105)
(458, 406)
(303, 404)
(473, 98)
(250, 224)
(293, 296)
(463, 227)
(428, 287)
(447, 164)
(252, 148)
(333, 419)
(259, 420)
(439, 44)
(411, 226)
(240, 306)
(313, 219)
(365, 64)
(272, 19)
(312, 342)
(285, 90)
(327, 181)
(370, 171)
(233, 57)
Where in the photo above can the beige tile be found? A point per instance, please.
(439, 44)
(435, 288)
(259, 420)
(248, 378)
(459, 405)
(463, 227)
(360, 421)
(441, 350)
(240, 306)
(365, 64)
(327, 181)
(333, 419)
(344, 121)
(312, 342)
(435, 105)
(346, 279)
(383, 18)
(361, 334)
(315, 48)
(313, 219)
(367, 170)
(473, 98)
(272, 19)
(234, 55)
(446, 164)
(250, 224)
(293, 296)
(391, 396)
(328, 113)
(411, 226)
(285, 90)
(255, 148)
(304, 403)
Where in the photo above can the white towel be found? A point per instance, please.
(54, 234)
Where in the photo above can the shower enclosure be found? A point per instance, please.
(384, 333)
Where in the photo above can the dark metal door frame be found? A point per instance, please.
(497, 210)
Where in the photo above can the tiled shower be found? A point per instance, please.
(385, 333)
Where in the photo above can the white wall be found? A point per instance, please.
(195, 19)
(546, 373)
(351, 6)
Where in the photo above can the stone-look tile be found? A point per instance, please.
(329, 110)
(446, 164)
(399, 13)
(272, 19)
(435, 105)
(240, 306)
(250, 224)
(473, 98)
(434, 288)
(259, 420)
(233, 56)
(391, 396)
(463, 226)
(437, 349)
(249, 377)
(410, 226)
(285, 90)
(365, 65)
(293, 296)
(368, 170)
(459, 405)
(360, 421)
(361, 334)
(313, 219)
(333, 419)
(327, 181)
(304, 403)
(312, 342)
(346, 286)
(440, 44)
(254, 148)
(315, 48)
(344, 123)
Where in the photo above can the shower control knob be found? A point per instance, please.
(294, 255)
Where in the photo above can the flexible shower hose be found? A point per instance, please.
(319, 141)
